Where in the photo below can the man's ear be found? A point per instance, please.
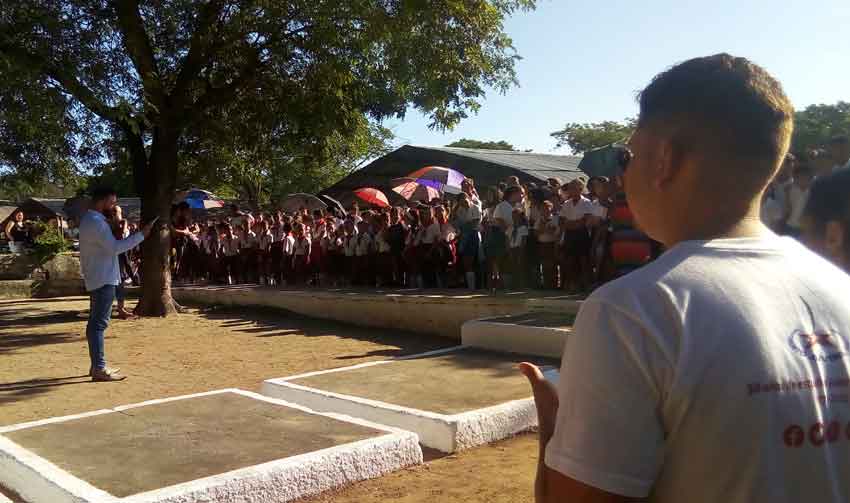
(834, 239)
(667, 162)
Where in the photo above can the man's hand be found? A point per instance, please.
(546, 399)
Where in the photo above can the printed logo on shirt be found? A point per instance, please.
(819, 345)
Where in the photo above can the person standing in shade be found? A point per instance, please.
(839, 151)
(99, 251)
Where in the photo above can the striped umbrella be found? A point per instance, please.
(414, 190)
(373, 196)
(442, 179)
(199, 199)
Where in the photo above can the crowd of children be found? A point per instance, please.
(521, 236)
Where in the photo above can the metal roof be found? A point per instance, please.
(540, 166)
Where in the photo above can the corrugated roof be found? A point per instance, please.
(54, 205)
(538, 165)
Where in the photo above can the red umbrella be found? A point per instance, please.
(372, 196)
(412, 190)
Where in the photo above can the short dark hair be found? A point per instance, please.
(510, 191)
(828, 201)
(724, 108)
(102, 193)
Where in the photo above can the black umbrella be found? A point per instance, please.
(333, 204)
(603, 161)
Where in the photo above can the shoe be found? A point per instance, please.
(106, 375)
(107, 370)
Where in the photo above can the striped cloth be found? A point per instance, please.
(629, 247)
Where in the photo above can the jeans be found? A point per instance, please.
(99, 314)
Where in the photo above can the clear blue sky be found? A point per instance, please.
(583, 61)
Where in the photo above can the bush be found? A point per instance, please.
(48, 242)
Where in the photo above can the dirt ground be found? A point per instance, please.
(44, 362)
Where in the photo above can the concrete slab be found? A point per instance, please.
(434, 312)
(536, 333)
(223, 446)
(453, 399)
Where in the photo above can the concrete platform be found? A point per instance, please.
(223, 446)
(454, 398)
(434, 312)
(536, 333)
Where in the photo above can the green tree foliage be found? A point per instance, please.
(815, 125)
(581, 137)
(487, 145)
(163, 78)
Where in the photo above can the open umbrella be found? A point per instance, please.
(442, 179)
(294, 202)
(199, 199)
(333, 204)
(414, 190)
(603, 161)
(372, 196)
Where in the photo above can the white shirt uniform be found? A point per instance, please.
(518, 235)
(302, 247)
(719, 372)
(505, 211)
(576, 210)
(797, 198)
(99, 251)
(364, 244)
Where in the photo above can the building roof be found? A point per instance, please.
(540, 166)
(486, 167)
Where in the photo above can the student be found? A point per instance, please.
(350, 251)
(301, 254)
(775, 208)
(548, 234)
(287, 270)
(496, 243)
(575, 241)
(247, 250)
(327, 242)
(337, 256)
(362, 255)
(518, 238)
(265, 240)
(826, 218)
(231, 266)
(441, 235)
(383, 257)
(798, 192)
(397, 238)
(839, 152)
(211, 248)
(717, 372)
(468, 218)
(120, 230)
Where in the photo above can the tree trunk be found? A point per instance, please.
(158, 185)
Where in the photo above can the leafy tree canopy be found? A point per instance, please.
(581, 137)
(84, 82)
(815, 125)
(488, 145)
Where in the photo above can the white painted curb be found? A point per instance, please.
(446, 433)
(498, 334)
(283, 480)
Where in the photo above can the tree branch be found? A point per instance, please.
(138, 46)
(225, 94)
(68, 82)
(199, 48)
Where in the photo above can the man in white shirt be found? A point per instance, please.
(720, 371)
(839, 150)
(99, 251)
(574, 217)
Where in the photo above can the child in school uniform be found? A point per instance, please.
(363, 251)
(383, 256)
(265, 240)
(517, 252)
(327, 243)
(350, 251)
(211, 247)
(288, 251)
(316, 251)
(248, 251)
(301, 254)
(230, 261)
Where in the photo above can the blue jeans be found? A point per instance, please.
(99, 314)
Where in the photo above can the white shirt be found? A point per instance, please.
(598, 210)
(288, 244)
(265, 241)
(839, 167)
(230, 247)
(576, 210)
(350, 246)
(797, 198)
(364, 244)
(505, 211)
(695, 378)
(99, 250)
(302, 247)
(518, 235)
